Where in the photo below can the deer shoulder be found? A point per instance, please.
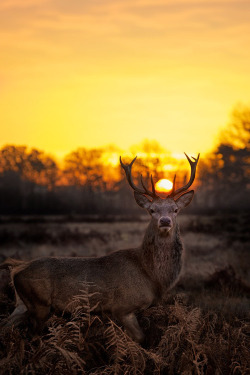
(121, 283)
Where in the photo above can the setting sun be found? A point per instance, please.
(163, 185)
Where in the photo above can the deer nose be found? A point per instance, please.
(165, 221)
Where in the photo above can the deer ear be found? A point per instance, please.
(142, 200)
(185, 199)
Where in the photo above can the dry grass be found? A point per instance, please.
(181, 339)
(202, 327)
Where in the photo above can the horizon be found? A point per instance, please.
(111, 153)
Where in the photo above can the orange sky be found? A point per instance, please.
(90, 73)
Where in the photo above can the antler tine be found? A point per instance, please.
(193, 165)
(128, 169)
(173, 188)
(146, 191)
(153, 186)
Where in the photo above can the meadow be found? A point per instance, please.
(201, 326)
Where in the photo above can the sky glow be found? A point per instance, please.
(93, 73)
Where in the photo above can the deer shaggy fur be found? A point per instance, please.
(121, 283)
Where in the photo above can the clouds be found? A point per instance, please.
(122, 62)
(127, 20)
(137, 30)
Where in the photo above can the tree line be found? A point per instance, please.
(32, 182)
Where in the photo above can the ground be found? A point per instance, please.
(202, 326)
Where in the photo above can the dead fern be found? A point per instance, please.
(124, 350)
(196, 343)
(183, 339)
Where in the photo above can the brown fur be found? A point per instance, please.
(9, 262)
(122, 283)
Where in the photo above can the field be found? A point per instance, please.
(201, 327)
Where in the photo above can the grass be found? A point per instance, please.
(180, 339)
(201, 327)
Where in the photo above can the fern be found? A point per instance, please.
(189, 341)
(124, 349)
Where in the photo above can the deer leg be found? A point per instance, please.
(16, 317)
(132, 327)
(18, 314)
(39, 314)
(36, 300)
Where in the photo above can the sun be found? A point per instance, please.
(163, 185)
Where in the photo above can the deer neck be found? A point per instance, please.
(162, 254)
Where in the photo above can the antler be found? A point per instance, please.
(193, 165)
(127, 168)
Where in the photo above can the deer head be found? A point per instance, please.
(162, 210)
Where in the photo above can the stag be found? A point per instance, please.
(124, 282)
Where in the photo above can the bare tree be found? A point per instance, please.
(237, 133)
(227, 168)
(84, 168)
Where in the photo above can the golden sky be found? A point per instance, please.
(79, 73)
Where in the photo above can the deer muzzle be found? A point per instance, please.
(165, 223)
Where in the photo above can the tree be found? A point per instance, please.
(33, 166)
(13, 158)
(84, 168)
(152, 159)
(237, 133)
(41, 169)
(225, 174)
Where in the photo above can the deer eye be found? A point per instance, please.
(176, 210)
(151, 210)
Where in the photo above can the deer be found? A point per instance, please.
(124, 282)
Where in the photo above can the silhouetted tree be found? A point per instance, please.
(13, 158)
(84, 167)
(27, 179)
(33, 165)
(41, 169)
(237, 133)
(225, 174)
